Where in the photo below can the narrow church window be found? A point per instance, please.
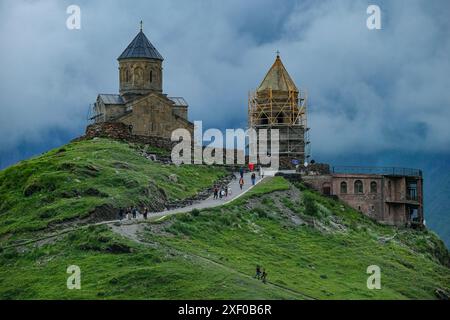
(280, 118)
(264, 119)
(343, 187)
(359, 186)
(151, 76)
(373, 187)
(127, 76)
(326, 188)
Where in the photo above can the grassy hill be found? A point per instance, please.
(81, 178)
(311, 246)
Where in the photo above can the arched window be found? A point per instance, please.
(127, 75)
(264, 119)
(343, 187)
(359, 186)
(373, 187)
(280, 118)
(326, 188)
(151, 75)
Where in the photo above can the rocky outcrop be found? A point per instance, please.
(122, 132)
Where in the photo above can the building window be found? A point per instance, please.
(343, 187)
(151, 76)
(411, 190)
(264, 119)
(280, 118)
(127, 76)
(373, 187)
(359, 186)
(326, 188)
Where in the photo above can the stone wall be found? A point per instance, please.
(140, 76)
(383, 198)
(314, 169)
(153, 115)
(120, 131)
(370, 202)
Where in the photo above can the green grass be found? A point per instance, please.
(71, 181)
(116, 268)
(325, 265)
(267, 185)
(205, 254)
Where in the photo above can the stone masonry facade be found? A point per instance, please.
(392, 199)
(141, 104)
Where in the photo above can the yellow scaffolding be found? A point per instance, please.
(270, 108)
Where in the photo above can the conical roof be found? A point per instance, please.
(141, 47)
(278, 78)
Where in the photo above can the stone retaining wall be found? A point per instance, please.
(120, 131)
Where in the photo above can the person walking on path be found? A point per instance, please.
(229, 192)
(220, 193)
(264, 276)
(121, 211)
(145, 213)
(216, 192)
(134, 212)
(241, 172)
(241, 183)
(253, 178)
(258, 272)
(129, 213)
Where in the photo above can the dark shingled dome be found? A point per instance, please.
(141, 47)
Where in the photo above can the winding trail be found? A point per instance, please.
(131, 228)
(210, 202)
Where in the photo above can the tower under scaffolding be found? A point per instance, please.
(279, 104)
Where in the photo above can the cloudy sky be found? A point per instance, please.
(371, 91)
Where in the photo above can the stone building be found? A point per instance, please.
(141, 103)
(391, 196)
(279, 104)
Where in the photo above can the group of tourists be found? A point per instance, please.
(241, 179)
(221, 192)
(261, 275)
(132, 213)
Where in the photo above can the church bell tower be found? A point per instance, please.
(140, 68)
(279, 104)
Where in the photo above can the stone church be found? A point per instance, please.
(278, 104)
(392, 196)
(141, 104)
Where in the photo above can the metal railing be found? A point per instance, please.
(388, 171)
(402, 197)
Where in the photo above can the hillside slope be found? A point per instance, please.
(89, 179)
(311, 246)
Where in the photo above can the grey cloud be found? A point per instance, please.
(369, 90)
